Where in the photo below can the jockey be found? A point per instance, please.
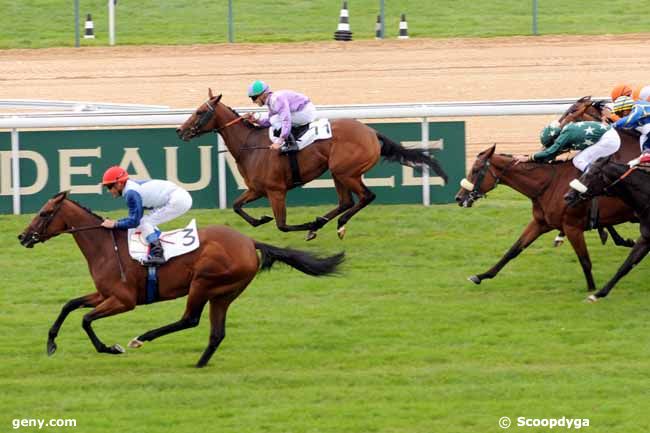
(642, 93)
(165, 199)
(593, 139)
(286, 109)
(634, 115)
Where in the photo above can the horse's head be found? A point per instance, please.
(203, 120)
(46, 223)
(596, 181)
(478, 183)
(586, 109)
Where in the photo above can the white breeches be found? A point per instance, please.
(644, 130)
(302, 117)
(180, 201)
(608, 144)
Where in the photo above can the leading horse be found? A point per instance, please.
(217, 272)
(353, 150)
(545, 185)
(632, 185)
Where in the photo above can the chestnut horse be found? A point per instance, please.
(606, 177)
(545, 185)
(353, 150)
(217, 272)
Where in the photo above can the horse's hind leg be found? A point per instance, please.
(365, 198)
(618, 239)
(531, 232)
(108, 307)
(89, 300)
(218, 310)
(345, 203)
(639, 251)
(247, 197)
(190, 319)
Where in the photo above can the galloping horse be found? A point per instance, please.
(545, 185)
(217, 272)
(606, 177)
(353, 150)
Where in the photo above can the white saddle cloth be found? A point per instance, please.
(174, 243)
(318, 130)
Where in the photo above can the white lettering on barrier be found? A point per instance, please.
(132, 157)
(66, 170)
(6, 187)
(205, 168)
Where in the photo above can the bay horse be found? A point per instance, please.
(217, 272)
(353, 150)
(632, 185)
(545, 185)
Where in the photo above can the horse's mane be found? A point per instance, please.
(249, 125)
(87, 209)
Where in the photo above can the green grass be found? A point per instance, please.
(49, 23)
(400, 342)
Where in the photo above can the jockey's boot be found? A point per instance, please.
(156, 255)
(289, 146)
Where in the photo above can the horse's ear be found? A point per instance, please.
(218, 98)
(491, 150)
(61, 195)
(585, 99)
(210, 95)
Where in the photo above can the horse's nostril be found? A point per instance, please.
(21, 237)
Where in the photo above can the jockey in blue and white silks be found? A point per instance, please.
(165, 199)
(286, 109)
(634, 115)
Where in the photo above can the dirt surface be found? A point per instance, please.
(363, 72)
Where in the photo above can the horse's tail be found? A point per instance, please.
(301, 260)
(410, 157)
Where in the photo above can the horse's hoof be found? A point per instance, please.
(135, 343)
(474, 279)
(592, 299)
(557, 243)
(265, 219)
(341, 232)
(51, 348)
(311, 235)
(116, 349)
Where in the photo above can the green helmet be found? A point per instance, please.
(257, 88)
(549, 133)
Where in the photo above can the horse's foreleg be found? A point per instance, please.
(577, 238)
(345, 203)
(639, 251)
(365, 198)
(277, 200)
(218, 310)
(190, 319)
(532, 231)
(247, 197)
(108, 307)
(89, 300)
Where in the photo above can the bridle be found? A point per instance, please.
(475, 193)
(205, 117)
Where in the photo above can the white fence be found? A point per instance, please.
(114, 116)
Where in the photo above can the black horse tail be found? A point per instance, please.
(409, 157)
(301, 260)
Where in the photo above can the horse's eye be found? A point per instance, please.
(42, 214)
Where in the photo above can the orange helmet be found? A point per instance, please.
(621, 90)
(114, 174)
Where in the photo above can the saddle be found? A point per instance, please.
(174, 242)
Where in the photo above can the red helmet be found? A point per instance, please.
(114, 174)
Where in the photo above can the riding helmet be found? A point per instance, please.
(257, 88)
(623, 103)
(114, 174)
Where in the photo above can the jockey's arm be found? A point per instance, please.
(284, 113)
(134, 203)
(552, 151)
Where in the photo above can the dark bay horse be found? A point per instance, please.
(606, 177)
(217, 272)
(545, 185)
(353, 150)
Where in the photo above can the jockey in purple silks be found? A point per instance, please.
(286, 110)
